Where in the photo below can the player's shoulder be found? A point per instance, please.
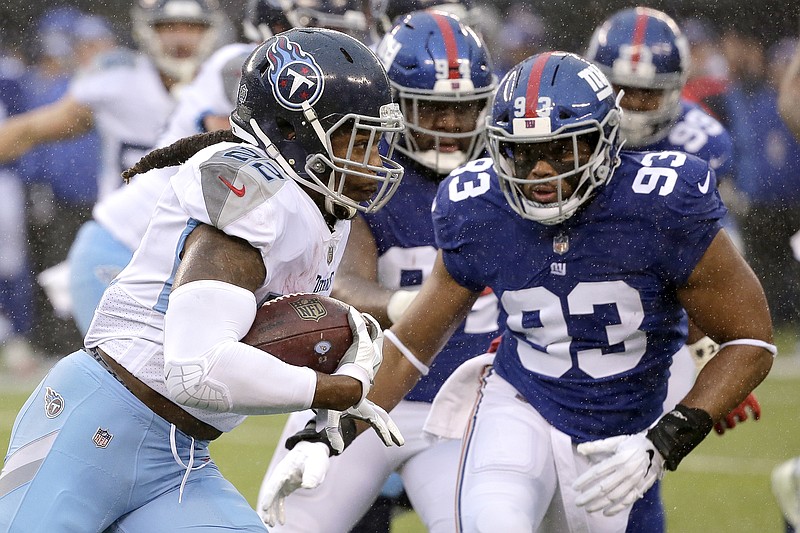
(666, 184)
(116, 59)
(230, 180)
(472, 185)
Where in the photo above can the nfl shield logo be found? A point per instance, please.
(561, 243)
(101, 438)
(309, 309)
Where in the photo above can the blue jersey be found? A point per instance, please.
(590, 309)
(403, 232)
(698, 133)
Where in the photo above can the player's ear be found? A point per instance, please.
(286, 129)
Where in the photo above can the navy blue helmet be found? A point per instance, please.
(303, 86)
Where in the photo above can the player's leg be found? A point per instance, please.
(95, 257)
(507, 476)
(71, 460)
(353, 481)
(209, 504)
(430, 481)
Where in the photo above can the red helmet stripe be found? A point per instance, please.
(638, 36)
(450, 46)
(534, 81)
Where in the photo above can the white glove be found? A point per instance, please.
(626, 466)
(377, 417)
(363, 359)
(304, 466)
(398, 303)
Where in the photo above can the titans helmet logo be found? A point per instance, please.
(296, 78)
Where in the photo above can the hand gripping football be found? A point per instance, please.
(308, 330)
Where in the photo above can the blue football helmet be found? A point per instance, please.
(302, 87)
(553, 99)
(432, 58)
(643, 48)
(147, 15)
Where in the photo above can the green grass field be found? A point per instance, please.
(722, 486)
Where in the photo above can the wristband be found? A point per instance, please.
(679, 432)
(347, 428)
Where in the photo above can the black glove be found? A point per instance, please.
(347, 426)
(679, 432)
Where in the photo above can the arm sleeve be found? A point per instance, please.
(205, 365)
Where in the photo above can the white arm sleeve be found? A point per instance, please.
(205, 365)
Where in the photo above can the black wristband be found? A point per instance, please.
(679, 432)
(347, 427)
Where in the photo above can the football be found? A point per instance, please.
(308, 330)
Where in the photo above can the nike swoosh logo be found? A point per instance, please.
(702, 188)
(237, 191)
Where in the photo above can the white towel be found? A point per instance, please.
(453, 404)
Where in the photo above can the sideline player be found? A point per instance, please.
(119, 435)
(388, 256)
(594, 254)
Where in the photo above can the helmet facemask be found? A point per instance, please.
(585, 175)
(642, 128)
(469, 101)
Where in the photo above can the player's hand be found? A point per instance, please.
(369, 412)
(304, 466)
(363, 359)
(398, 303)
(749, 407)
(625, 468)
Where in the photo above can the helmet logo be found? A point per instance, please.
(597, 81)
(295, 76)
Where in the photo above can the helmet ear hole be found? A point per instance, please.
(286, 129)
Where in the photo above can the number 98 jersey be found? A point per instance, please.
(591, 314)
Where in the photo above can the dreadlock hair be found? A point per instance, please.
(178, 152)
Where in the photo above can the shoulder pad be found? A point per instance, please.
(236, 180)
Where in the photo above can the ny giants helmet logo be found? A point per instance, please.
(296, 78)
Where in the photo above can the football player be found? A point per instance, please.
(441, 73)
(644, 55)
(125, 95)
(594, 253)
(118, 437)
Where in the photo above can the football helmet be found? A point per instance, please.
(644, 48)
(303, 86)
(386, 12)
(265, 18)
(146, 15)
(431, 57)
(557, 98)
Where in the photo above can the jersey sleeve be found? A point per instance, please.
(234, 188)
(690, 218)
(462, 226)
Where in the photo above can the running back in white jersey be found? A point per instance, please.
(236, 188)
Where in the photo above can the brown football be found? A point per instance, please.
(308, 330)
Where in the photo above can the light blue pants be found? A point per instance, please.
(87, 456)
(95, 259)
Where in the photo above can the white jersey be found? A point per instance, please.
(126, 212)
(130, 106)
(237, 189)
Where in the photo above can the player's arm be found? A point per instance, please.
(60, 120)
(212, 305)
(356, 281)
(725, 299)
(789, 95)
(422, 331)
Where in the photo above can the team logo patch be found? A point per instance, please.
(53, 403)
(309, 309)
(296, 78)
(102, 437)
